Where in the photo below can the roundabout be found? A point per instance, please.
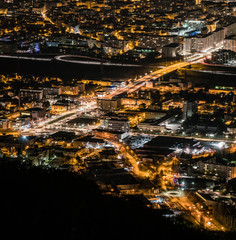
(173, 193)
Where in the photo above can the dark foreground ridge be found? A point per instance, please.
(38, 203)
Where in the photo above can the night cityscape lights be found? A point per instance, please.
(118, 112)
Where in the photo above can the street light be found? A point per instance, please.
(221, 145)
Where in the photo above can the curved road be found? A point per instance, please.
(62, 58)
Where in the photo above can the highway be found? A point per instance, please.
(138, 83)
(26, 58)
(66, 58)
(91, 61)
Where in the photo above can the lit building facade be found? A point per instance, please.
(223, 171)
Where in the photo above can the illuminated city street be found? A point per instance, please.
(138, 83)
(52, 125)
(199, 217)
(118, 119)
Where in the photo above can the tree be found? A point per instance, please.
(46, 104)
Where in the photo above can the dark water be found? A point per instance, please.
(66, 70)
(210, 76)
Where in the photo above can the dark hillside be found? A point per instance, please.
(51, 204)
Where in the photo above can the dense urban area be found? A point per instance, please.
(118, 118)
